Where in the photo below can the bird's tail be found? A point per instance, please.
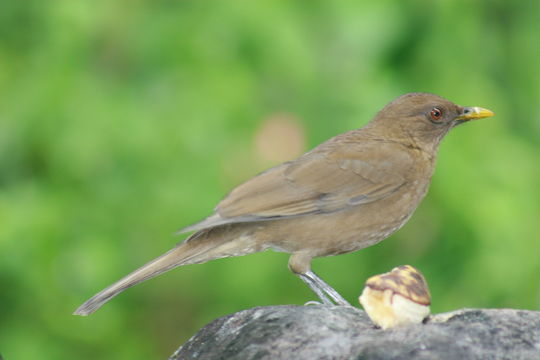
(202, 246)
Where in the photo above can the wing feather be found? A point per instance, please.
(318, 182)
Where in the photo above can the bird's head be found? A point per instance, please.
(423, 119)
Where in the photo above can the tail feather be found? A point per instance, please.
(201, 247)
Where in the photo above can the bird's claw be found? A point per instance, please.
(313, 302)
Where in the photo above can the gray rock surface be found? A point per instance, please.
(335, 332)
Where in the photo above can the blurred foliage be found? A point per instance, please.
(121, 121)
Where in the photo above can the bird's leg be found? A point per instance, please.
(300, 264)
(322, 289)
(317, 290)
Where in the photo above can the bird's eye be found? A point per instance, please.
(436, 114)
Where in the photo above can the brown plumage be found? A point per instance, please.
(348, 193)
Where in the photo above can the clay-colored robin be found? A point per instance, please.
(346, 194)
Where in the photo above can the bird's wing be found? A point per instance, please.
(318, 182)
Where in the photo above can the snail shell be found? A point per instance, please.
(398, 297)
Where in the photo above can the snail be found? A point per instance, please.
(398, 297)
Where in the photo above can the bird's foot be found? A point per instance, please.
(313, 302)
(325, 292)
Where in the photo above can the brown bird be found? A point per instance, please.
(346, 194)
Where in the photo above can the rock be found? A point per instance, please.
(337, 332)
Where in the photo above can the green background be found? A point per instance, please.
(122, 121)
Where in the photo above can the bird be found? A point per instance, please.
(350, 192)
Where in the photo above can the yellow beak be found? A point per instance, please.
(474, 113)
